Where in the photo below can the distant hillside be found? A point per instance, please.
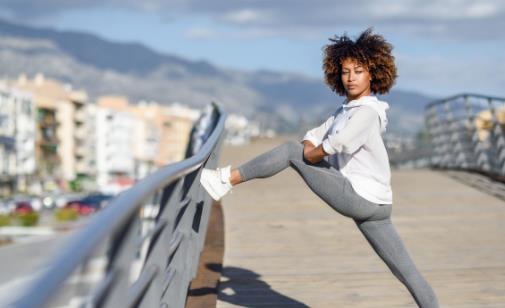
(101, 67)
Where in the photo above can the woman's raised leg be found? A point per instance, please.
(271, 162)
(323, 179)
(220, 181)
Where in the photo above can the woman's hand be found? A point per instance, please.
(312, 153)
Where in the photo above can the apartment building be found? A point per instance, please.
(61, 140)
(63, 126)
(115, 128)
(146, 137)
(178, 120)
(17, 139)
(170, 127)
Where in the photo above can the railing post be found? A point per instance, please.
(158, 249)
(121, 253)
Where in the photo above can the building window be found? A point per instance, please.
(26, 107)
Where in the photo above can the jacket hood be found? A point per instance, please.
(375, 103)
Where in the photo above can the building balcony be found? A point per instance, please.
(43, 139)
(82, 167)
(81, 133)
(80, 150)
(48, 122)
(47, 152)
(47, 118)
(80, 116)
(7, 142)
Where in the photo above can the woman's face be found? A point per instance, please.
(356, 79)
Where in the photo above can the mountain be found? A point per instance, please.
(283, 101)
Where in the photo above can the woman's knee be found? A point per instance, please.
(294, 149)
(375, 213)
(382, 212)
(293, 145)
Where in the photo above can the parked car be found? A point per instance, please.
(63, 199)
(23, 207)
(21, 204)
(90, 204)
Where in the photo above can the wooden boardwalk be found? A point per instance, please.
(286, 248)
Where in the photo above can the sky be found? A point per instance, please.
(441, 48)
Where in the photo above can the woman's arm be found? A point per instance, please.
(354, 134)
(317, 134)
(311, 153)
(312, 142)
(347, 140)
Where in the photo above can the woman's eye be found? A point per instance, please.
(359, 72)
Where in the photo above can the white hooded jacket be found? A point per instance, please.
(352, 138)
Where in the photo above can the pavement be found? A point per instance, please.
(284, 247)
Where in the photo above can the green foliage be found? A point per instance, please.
(5, 220)
(66, 214)
(78, 184)
(75, 185)
(28, 219)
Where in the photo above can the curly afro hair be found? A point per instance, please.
(370, 50)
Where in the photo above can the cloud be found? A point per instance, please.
(454, 74)
(453, 19)
(200, 33)
(244, 16)
(435, 10)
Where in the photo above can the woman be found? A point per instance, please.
(344, 160)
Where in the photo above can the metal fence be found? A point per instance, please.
(466, 131)
(143, 249)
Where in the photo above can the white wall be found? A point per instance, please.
(114, 145)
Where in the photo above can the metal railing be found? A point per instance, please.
(142, 250)
(467, 132)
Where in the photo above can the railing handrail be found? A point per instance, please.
(459, 138)
(112, 218)
(443, 100)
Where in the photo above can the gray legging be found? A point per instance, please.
(372, 219)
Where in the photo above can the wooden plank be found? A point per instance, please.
(287, 248)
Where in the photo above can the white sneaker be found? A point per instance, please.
(216, 182)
